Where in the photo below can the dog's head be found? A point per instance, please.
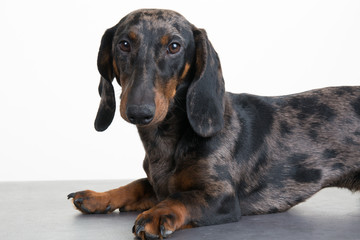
(152, 54)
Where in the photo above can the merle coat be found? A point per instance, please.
(212, 156)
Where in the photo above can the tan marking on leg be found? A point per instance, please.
(132, 197)
(172, 214)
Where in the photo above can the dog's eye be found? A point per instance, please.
(174, 48)
(125, 46)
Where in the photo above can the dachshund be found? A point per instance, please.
(213, 156)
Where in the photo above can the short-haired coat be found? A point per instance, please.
(213, 156)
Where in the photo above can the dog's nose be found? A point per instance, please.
(140, 114)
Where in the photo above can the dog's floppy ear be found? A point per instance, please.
(205, 97)
(107, 105)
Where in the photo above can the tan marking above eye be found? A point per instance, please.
(132, 36)
(164, 40)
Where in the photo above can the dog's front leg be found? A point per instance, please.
(138, 195)
(186, 210)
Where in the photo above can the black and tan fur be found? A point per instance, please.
(213, 156)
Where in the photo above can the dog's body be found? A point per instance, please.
(212, 156)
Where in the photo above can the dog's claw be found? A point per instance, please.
(79, 200)
(78, 203)
(85, 210)
(107, 209)
(139, 231)
(139, 228)
(164, 232)
(71, 195)
(151, 236)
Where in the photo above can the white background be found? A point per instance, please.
(49, 78)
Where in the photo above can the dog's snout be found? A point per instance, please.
(140, 114)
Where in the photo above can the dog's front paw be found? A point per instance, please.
(161, 220)
(91, 202)
(154, 224)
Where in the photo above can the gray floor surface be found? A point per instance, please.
(40, 210)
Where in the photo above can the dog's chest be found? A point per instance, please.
(159, 163)
(158, 175)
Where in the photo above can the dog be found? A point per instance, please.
(214, 156)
